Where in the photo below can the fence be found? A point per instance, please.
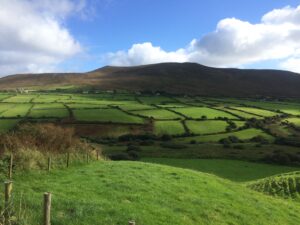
(6, 213)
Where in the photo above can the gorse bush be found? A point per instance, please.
(32, 144)
(42, 137)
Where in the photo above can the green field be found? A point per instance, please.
(240, 113)
(235, 170)
(21, 98)
(295, 121)
(50, 113)
(116, 192)
(18, 110)
(198, 112)
(160, 114)
(168, 127)
(105, 115)
(206, 127)
(242, 135)
(259, 112)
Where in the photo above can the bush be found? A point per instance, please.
(27, 159)
(133, 148)
(260, 139)
(166, 137)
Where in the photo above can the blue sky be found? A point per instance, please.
(81, 35)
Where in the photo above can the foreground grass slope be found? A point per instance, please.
(115, 192)
(234, 170)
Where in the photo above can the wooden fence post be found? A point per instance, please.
(87, 158)
(131, 222)
(7, 204)
(47, 208)
(68, 159)
(98, 155)
(10, 168)
(49, 164)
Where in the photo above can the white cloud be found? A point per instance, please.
(233, 43)
(32, 35)
(292, 64)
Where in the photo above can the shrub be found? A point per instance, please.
(260, 139)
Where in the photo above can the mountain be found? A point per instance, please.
(178, 78)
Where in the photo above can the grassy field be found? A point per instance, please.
(105, 115)
(240, 113)
(168, 127)
(259, 112)
(161, 114)
(116, 192)
(198, 112)
(242, 135)
(18, 110)
(295, 121)
(51, 112)
(235, 170)
(206, 127)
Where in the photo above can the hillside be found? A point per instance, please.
(283, 185)
(177, 78)
(116, 192)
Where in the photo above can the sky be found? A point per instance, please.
(39, 36)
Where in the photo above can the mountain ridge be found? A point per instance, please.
(175, 78)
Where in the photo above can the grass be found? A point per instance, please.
(259, 112)
(116, 192)
(168, 127)
(242, 135)
(7, 124)
(284, 185)
(241, 114)
(206, 127)
(51, 113)
(105, 115)
(18, 110)
(198, 112)
(160, 114)
(21, 98)
(295, 121)
(235, 170)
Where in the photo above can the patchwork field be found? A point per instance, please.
(206, 127)
(199, 112)
(185, 118)
(160, 114)
(169, 127)
(242, 135)
(105, 115)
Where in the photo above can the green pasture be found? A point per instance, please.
(21, 98)
(259, 112)
(168, 127)
(18, 110)
(295, 121)
(242, 135)
(155, 99)
(117, 192)
(198, 112)
(206, 127)
(235, 170)
(105, 115)
(241, 114)
(160, 114)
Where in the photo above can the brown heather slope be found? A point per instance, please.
(179, 78)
